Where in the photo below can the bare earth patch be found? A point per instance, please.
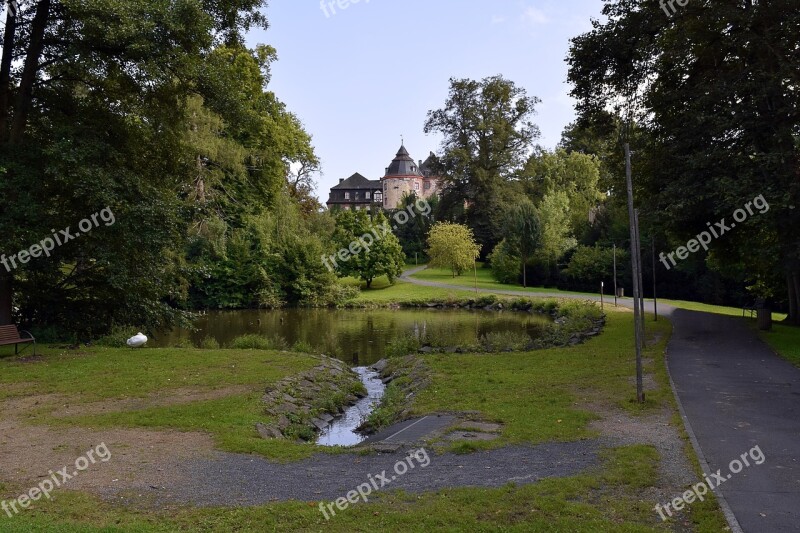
(139, 458)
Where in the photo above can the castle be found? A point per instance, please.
(403, 176)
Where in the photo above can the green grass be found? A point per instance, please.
(485, 281)
(537, 395)
(785, 340)
(103, 373)
(716, 309)
(605, 499)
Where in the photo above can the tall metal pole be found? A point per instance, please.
(635, 267)
(615, 275)
(655, 296)
(641, 276)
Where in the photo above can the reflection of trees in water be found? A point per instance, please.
(340, 333)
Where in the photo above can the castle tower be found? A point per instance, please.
(404, 177)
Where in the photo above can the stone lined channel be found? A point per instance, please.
(341, 432)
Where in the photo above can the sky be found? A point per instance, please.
(361, 77)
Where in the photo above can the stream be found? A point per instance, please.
(341, 432)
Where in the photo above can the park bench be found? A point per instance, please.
(752, 308)
(10, 335)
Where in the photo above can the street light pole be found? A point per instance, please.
(635, 266)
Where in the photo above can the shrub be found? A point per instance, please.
(501, 341)
(402, 346)
(506, 267)
(590, 265)
(303, 347)
(259, 342)
(209, 343)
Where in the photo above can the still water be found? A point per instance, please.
(365, 333)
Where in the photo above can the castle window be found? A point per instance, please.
(416, 185)
(347, 196)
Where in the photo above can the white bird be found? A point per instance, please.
(138, 340)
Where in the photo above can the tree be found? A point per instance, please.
(488, 134)
(524, 233)
(505, 264)
(556, 236)
(368, 249)
(452, 246)
(719, 106)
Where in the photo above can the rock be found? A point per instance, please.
(283, 422)
(319, 424)
(426, 349)
(380, 366)
(325, 417)
(268, 432)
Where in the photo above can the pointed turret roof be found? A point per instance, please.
(403, 165)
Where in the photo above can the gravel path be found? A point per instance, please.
(227, 479)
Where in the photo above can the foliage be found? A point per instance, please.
(372, 250)
(452, 246)
(413, 234)
(557, 237)
(488, 134)
(524, 233)
(505, 264)
(713, 116)
(590, 265)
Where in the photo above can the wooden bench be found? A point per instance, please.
(10, 335)
(758, 304)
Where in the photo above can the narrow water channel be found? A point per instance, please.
(341, 432)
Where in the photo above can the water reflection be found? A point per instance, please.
(352, 335)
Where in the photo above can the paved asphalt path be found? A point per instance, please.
(735, 394)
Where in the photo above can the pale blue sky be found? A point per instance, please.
(362, 76)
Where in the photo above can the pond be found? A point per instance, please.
(357, 336)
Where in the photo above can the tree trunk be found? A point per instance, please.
(6, 281)
(29, 72)
(524, 273)
(5, 74)
(793, 283)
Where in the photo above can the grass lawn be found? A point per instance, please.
(785, 340)
(538, 396)
(486, 281)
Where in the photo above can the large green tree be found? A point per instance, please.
(716, 90)
(488, 134)
(156, 111)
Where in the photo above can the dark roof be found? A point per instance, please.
(357, 182)
(403, 165)
(425, 168)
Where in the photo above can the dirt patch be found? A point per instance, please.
(139, 458)
(621, 429)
